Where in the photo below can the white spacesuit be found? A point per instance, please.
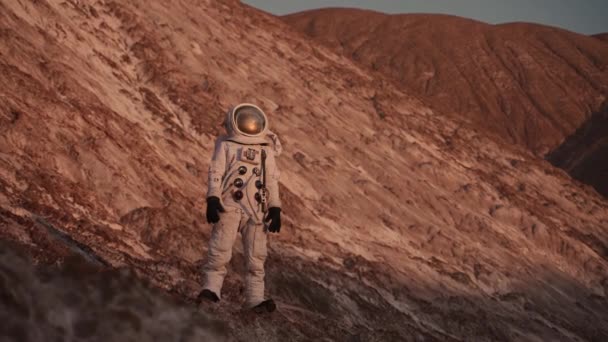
(243, 196)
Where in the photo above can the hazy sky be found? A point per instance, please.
(583, 16)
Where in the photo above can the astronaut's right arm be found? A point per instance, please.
(217, 170)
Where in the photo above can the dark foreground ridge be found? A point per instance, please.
(80, 301)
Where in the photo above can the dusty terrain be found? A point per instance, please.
(530, 84)
(400, 224)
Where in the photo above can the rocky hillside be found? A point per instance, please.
(529, 84)
(400, 224)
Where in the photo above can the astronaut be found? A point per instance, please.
(243, 196)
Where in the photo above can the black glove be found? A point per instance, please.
(213, 209)
(274, 214)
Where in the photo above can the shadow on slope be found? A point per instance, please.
(601, 36)
(584, 154)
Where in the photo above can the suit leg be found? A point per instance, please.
(222, 239)
(254, 243)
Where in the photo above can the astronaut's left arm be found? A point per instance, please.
(272, 181)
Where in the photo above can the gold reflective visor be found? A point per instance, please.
(249, 120)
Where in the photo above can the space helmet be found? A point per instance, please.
(247, 123)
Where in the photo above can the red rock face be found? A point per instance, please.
(399, 223)
(528, 84)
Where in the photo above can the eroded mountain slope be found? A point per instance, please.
(529, 84)
(399, 224)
